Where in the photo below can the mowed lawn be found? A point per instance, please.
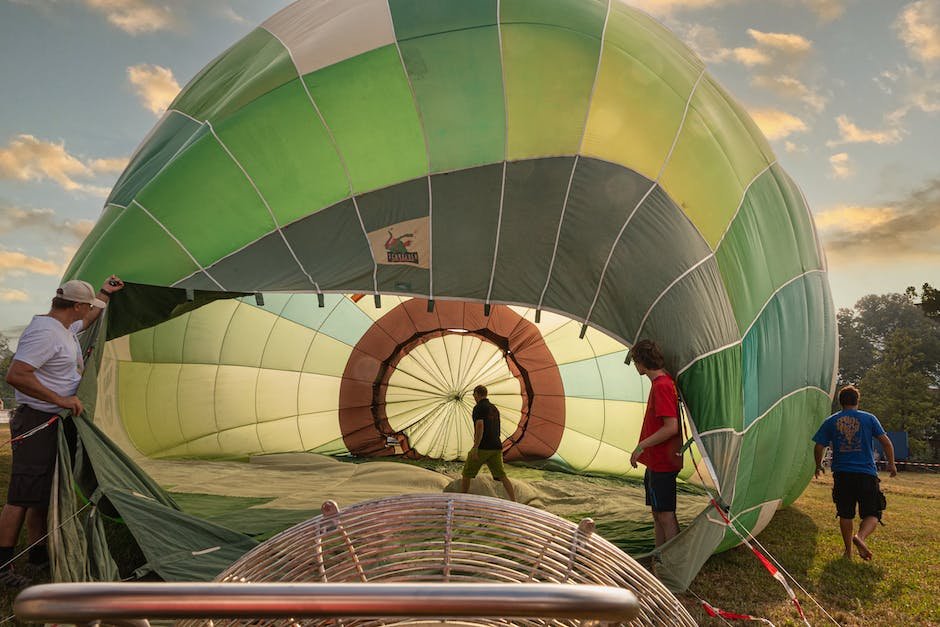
(901, 586)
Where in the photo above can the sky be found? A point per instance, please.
(847, 91)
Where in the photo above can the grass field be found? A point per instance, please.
(901, 586)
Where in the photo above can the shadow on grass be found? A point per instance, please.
(791, 539)
(853, 584)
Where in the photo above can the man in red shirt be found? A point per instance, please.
(659, 445)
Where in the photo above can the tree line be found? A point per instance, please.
(889, 346)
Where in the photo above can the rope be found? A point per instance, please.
(774, 572)
(780, 575)
(704, 604)
(779, 565)
(39, 541)
(32, 431)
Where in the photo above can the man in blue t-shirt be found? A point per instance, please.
(854, 475)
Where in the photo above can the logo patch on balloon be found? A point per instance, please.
(402, 243)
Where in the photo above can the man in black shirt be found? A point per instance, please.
(487, 445)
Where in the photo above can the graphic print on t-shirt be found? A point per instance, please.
(848, 428)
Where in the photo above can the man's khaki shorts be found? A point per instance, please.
(493, 460)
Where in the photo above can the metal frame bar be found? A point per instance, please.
(133, 603)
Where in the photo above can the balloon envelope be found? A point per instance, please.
(552, 156)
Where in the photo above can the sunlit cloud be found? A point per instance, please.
(791, 88)
(918, 26)
(780, 50)
(231, 15)
(794, 148)
(13, 296)
(826, 10)
(28, 158)
(841, 166)
(141, 17)
(45, 220)
(908, 228)
(668, 7)
(787, 43)
(155, 86)
(751, 56)
(135, 16)
(16, 263)
(777, 124)
(776, 60)
(850, 133)
(916, 90)
(108, 166)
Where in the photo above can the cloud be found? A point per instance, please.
(775, 58)
(841, 166)
(108, 166)
(791, 88)
(229, 13)
(793, 147)
(13, 296)
(850, 133)
(751, 56)
(14, 262)
(135, 16)
(780, 50)
(155, 86)
(918, 26)
(15, 218)
(27, 158)
(668, 7)
(777, 124)
(917, 91)
(826, 10)
(908, 228)
(786, 43)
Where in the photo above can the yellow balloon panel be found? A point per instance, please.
(132, 382)
(277, 394)
(585, 415)
(197, 401)
(327, 356)
(320, 429)
(206, 332)
(317, 393)
(566, 345)
(279, 435)
(577, 449)
(613, 460)
(621, 104)
(235, 396)
(246, 337)
(622, 425)
(287, 346)
(162, 405)
(168, 339)
(242, 440)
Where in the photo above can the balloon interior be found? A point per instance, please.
(365, 208)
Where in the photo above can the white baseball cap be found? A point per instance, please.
(80, 292)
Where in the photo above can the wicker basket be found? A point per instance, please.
(449, 538)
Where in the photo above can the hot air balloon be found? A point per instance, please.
(365, 205)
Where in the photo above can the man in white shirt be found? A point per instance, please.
(45, 372)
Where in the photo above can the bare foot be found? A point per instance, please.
(863, 551)
(847, 555)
